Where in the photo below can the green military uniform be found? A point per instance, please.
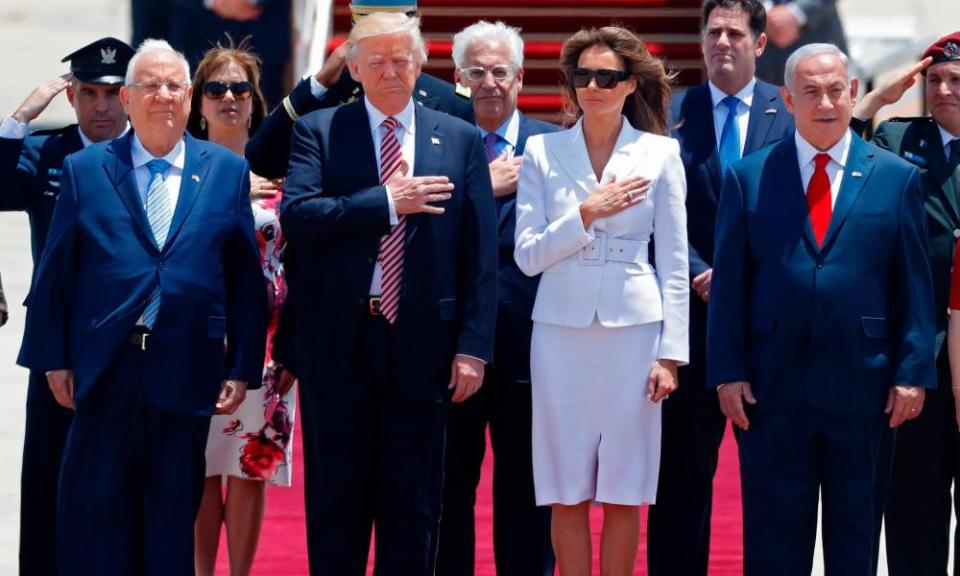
(926, 462)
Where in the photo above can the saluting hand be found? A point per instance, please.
(612, 198)
(332, 67)
(890, 92)
(40, 98)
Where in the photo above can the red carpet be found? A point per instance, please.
(283, 548)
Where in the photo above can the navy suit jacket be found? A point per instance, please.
(102, 263)
(334, 213)
(269, 148)
(517, 290)
(831, 328)
(692, 117)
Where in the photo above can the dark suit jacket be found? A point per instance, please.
(830, 328)
(692, 118)
(269, 148)
(917, 140)
(334, 212)
(517, 290)
(102, 263)
(823, 25)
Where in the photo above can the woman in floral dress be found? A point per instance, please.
(253, 446)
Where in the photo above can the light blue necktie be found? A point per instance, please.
(159, 214)
(729, 150)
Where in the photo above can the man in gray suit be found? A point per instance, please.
(793, 23)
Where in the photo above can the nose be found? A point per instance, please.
(943, 88)
(723, 40)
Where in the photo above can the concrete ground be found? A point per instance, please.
(34, 36)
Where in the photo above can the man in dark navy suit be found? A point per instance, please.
(732, 115)
(148, 313)
(269, 148)
(821, 328)
(391, 212)
(30, 169)
(489, 61)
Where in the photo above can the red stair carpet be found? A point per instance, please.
(283, 548)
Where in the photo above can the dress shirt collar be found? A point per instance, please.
(405, 117)
(946, 137)
(139, 155)
(838, 153)
(509, 131)
(745, 95)
(87, 141)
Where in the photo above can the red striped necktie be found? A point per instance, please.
(391, 245)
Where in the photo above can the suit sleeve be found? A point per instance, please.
(48, 314)
(312, 215)
(269, 148)
(670, 248)
(541, 243)
(478, 257)
(697, 264)
(18, 171)
(913, 300)
(727, 313)
(246, 295)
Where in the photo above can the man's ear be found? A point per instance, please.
(70, 94)
(761, 44)
(787, 98)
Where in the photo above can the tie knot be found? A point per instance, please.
(491, 139)
(157, 166)
(390, 123)
(822, 160)
(731, 103)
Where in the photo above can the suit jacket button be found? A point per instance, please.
(819, 265)
(369, 259)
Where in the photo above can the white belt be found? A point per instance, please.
(602, 249)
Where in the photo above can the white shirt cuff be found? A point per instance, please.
(316, 88)
(392, 207)
(12, 129)
(474, 357)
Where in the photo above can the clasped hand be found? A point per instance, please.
(415, 194)
(612, 198)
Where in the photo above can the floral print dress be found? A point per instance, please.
(256, 441)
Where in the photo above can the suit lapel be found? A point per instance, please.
(855, 175)
(119, 168)
(763, 114)
(194, 177)
(791, 186)
(698, 114)
(430, 144)
(573, 159)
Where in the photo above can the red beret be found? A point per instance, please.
(946, 49)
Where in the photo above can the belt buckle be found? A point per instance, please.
(594, 253)
(374, 306)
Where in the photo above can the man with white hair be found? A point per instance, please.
(390, 209)
(489, 61)
(820, 326)
(150, 266)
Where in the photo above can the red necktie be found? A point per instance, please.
(818, 198)
(391, 245)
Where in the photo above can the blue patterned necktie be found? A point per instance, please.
(159, 215)
(490, 142)
(729, 150)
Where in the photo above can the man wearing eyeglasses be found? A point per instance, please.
(147, 315)
(489, 61)
(30, 168)
(731, 115)
(269, 147)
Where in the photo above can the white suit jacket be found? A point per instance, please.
(578, 282)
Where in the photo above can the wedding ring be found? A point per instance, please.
(629, 195)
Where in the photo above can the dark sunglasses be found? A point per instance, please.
(606, 78)
(217, 90)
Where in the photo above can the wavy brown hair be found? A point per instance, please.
(215, 58)
(647, 108)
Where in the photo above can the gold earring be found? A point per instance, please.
(203, 123)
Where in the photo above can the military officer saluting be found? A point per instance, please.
(269, 148)
(30, 168)
(926, 458)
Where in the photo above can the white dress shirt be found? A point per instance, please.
(720, 111)
(838, 160)
(406, 134)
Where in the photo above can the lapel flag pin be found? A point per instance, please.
(195, 178)
(923, 144)
(856, 174)
(423, 93)
(435, 140)
(770, 111)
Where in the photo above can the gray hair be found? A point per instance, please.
(484, 31)
(153, 45)
(386, 24)
(809, 51)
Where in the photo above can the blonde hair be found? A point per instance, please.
(387, 24)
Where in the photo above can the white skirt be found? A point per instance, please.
(596, 436)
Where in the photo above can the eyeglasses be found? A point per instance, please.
(174, 88)
(606, 78)
(217, 90)
(500, 73)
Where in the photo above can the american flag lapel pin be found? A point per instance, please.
(770, 111)
(195, 177)
(434, 140)
(856, 174)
